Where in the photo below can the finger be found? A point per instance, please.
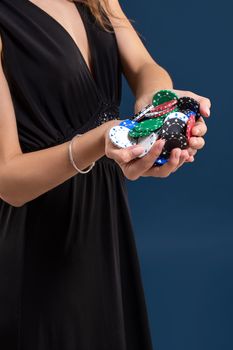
(135, 169)
(190, 159)
(125, 155)
(191, 151)
(184, 154)
(166, 169)
(183, 157)
(205, 105)
(197, 142)
(200, 128)
(121, 155)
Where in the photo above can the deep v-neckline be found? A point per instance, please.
(91, 72)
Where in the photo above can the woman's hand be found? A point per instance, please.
(134, 167)
(197, 141)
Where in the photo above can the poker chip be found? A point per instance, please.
(163, 113)
(172, 126)
(140, 115)
(168, 117)
(165, 105)
(198, 115)
(175, 141)
(119, 135)
(147, 142)
(137, 134)
(128, 123)
(163, 96)
(165, 154)
(190, 103)
(146, 126)
(160, 161)
(190, 125)
(188, 112)
(185, 103)
(177, 115)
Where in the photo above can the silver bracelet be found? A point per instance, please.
(72, 159)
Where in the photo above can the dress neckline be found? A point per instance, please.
(80, 9)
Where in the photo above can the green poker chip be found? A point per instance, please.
(141, 134)
(163, 96)
(146, 127)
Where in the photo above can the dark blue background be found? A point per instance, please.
(184, 224)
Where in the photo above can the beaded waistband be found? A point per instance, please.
(109, 112)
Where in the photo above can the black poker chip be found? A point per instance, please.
(165, 154)
(172, 126)
(188, 103)
(175, 141)
(198, 115)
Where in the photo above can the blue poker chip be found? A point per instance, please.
(160, 161)
(188, 112)
(130, 124)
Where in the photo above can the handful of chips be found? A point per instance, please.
(168, 117)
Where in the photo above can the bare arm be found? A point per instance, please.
(145, 76)
(143, 73)
(25, 176)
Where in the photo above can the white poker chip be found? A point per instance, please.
(178, 115)
(119, 135)
(147, 142)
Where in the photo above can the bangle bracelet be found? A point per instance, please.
(72, 159)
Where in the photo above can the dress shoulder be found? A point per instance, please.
(11, 19)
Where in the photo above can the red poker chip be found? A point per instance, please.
(164, 106)
(161, 113)
(190, 124)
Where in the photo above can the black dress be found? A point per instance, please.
(69, 272)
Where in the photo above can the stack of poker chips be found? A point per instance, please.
(168, 117)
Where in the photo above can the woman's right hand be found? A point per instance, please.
(134, 167)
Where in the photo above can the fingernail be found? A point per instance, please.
(137, 151)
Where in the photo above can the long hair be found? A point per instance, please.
(101, 10)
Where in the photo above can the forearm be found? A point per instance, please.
(150, 78)
(28, 175)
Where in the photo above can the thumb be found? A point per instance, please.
(130, 153)
(137, 151)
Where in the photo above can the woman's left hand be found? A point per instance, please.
(197, 141)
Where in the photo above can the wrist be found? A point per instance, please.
(91, 146)
(107, 126)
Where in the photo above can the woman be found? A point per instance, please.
(69, 272)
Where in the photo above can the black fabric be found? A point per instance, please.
(69, 271)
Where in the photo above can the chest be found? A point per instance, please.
(51, 43)
(67, 15)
